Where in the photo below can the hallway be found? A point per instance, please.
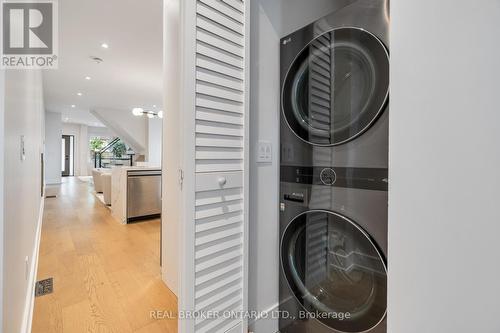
(106, 275)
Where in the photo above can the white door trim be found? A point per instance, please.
(187, 123)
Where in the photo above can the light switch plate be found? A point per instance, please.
(264, 152)
(22, 149)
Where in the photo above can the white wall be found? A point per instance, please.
(131, 129)
(53, 151)
(94, 131)
(264, 125)
(83, 152)
(444, 220)
(24, 112)
(155, 129)
(2, 131)
(271, 20)
(171, 150)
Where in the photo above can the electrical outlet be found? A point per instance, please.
(264, 152)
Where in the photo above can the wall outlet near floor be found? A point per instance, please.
(264, 152)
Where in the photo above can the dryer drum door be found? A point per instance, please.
(336, 87)
(335, 271)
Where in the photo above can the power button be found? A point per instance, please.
(328, 176)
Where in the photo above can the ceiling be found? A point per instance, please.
(131, 72)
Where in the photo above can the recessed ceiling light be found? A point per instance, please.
(154, 105)
(97, 60)
(105, 46)
(66, 119)
(88, 78)
(79, 94)
(73, 106)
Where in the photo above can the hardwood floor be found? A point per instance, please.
(106, 275)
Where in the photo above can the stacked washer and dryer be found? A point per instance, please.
(334, 172)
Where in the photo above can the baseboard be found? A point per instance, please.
(166, 278)
(30, 292)
(266, 322)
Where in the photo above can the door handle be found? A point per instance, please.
(222, 181)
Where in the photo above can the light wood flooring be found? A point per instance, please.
(106, 275)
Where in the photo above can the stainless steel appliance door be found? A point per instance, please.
(336, 87)
(335, 271)
(143, 194)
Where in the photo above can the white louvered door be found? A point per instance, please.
(215, 165)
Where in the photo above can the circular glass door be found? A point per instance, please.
(335, 271)
(336, 87)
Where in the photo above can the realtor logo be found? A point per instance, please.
(29, 38)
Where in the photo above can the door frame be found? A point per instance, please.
(71, 172)
(187, 161)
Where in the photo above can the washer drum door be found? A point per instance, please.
(335, 271)
(336, 87)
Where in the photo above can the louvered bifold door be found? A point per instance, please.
(220, 166)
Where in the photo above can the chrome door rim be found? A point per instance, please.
(367, 236)
(381, 109)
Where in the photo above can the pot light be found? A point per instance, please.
(97, 60)
(160, 114)
(79, 94)
(73, 106)
(88, 78)
(137, 111)
(154, 106)
(105, 46)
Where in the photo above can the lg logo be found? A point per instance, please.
(27, 28)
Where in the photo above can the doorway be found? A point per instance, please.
(68, 155)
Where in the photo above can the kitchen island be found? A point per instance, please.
(136, 193)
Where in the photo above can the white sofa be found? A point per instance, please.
(96, 176)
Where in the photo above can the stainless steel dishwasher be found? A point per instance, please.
(143, 194)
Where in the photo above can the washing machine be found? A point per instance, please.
(333, 275)
(333, 172)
